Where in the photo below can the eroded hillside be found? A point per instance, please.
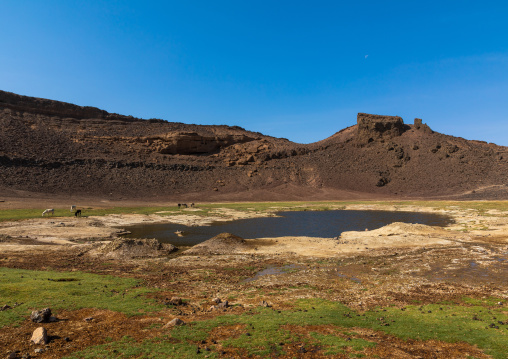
(54, 147)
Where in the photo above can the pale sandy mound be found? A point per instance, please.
(126, 248)
(397, 235)
(224, 243)
(405, 228)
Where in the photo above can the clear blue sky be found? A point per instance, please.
(295, 69)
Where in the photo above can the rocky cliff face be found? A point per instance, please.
(192, 143)
(372, 128)
(53, 147)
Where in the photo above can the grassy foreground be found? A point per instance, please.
(69, 290)
(262, 332)
(331, 326)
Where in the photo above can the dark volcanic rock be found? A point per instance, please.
(422, 126)
(41, 316)
(374, 127)
(193, 143)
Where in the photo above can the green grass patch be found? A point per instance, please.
(335, 344)
(260, 332)
(19, 214)
(69, 290)
(208, 209)
(129, 348)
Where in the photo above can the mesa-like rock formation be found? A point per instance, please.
(372, 128)
(53, 147)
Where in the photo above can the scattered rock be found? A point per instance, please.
(383, 181)
(40, 336)
(175, 301)
(224, 304)
(220, 304)
(41, 316)
(174, 323)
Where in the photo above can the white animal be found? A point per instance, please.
(48, 211)
(73, 208)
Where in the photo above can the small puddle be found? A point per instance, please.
(288, 268)
(354, 279)
(494, 270)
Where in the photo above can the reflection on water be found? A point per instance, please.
(326, 224)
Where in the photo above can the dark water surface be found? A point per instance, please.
(324, 224)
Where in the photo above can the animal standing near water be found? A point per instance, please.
(48, 211)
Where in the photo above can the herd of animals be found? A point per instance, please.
(77, 212)
(184, 205)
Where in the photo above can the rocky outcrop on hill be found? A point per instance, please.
(422, 126)
(193, 143)
(53, 147)
(374, 127)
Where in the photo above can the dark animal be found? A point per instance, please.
(77, 213)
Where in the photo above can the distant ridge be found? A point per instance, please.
(54, 147)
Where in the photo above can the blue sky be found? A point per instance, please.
(295, 69)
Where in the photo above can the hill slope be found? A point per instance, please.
(54, 147)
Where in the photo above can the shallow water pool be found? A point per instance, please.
(325, 224)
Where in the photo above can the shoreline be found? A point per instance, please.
(466, 226)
